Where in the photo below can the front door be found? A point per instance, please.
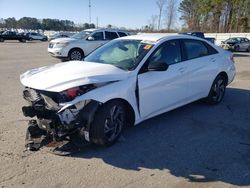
(160, 91)
(96, 41)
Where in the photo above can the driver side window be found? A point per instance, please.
(98, 36)
(169, 52)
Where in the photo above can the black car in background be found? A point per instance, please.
(200, 35)
(11, 35)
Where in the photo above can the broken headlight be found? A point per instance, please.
(72, 93)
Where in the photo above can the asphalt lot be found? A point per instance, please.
(193, 146)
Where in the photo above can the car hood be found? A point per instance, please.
(63, 76)
(64, 40)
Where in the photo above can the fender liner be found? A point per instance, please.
(86, 115)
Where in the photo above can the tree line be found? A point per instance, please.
(200, 15)
(216, 15)
(43, 24)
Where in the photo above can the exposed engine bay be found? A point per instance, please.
(51, 121)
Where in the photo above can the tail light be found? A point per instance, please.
(232, 58)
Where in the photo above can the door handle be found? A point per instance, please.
(213, 59)
(182, 69)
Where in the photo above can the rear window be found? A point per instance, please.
(110, 35)
(122, 34)
(195, 48)
(210, 49)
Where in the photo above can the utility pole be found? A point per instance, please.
(97, 22)
(89, 11)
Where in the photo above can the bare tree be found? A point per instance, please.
(160, 4)
(171, 12)
(153, 22)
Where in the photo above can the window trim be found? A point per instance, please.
(143, 68)
(125, 34)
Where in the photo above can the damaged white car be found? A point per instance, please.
(125, 82)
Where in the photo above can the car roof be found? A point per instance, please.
(154, 38)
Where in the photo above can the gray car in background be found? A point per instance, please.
(236, 44)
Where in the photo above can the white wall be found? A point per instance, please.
(223, 36)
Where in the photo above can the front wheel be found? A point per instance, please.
(1, 40)
(76, 54)
(236, 48)
(217, 90)
(22, 40)
(108, 123)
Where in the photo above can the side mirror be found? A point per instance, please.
(157, 66)
(90, 38)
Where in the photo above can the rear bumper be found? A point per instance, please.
(231, 72)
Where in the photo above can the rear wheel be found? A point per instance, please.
(1, 40)
(76, 54)
(217, 90)
(108, 123)
(248, 49)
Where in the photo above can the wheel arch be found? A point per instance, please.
(224, 74)
(76, 48)
(129, 110)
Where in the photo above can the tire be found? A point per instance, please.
(75, 54)
(217, 90)
(236, 48)
(248, 49)
(22, 40)
(108, 123)
(1, 40)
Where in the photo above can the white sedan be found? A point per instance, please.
(125, 82)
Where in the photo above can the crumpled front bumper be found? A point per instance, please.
(59, 123)
(227, 47)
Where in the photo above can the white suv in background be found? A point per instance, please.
(81, 44)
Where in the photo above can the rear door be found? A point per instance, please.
(245, 44)
(201, 60)
(163, 90)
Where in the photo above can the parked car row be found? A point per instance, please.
(22, 37)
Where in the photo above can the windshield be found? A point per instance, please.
(80, 35)
(233, 40)
(124, 54)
